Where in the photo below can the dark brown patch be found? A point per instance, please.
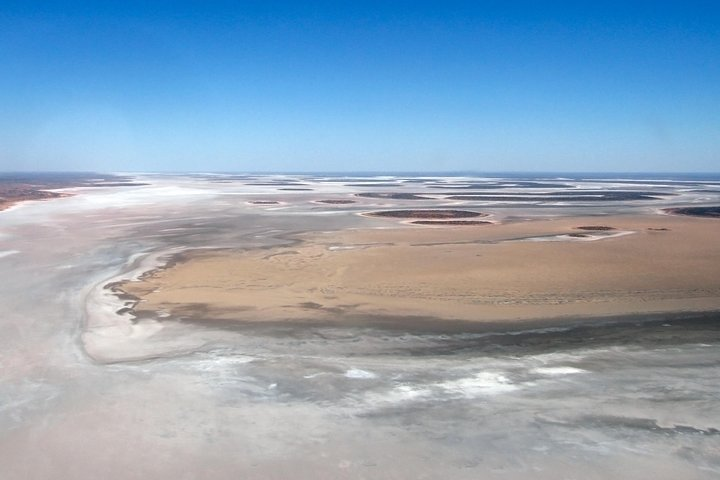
(708, 212)
(393, 196)
(595, 228)
(427, 214)
(450, 222)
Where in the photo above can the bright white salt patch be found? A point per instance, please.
(568, 238)
(7, 253)
(357, 373)
(480, 384)
(483, 383)
(219, 362)
(558, 370)
(406, 393)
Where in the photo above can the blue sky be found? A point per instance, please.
(332, 86)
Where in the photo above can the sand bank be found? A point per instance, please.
(658, 264)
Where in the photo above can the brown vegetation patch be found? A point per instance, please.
(374, 184)
(426, 214)
(709, 212)
(393, 196)
(450, 222)
(336, 202)
(595, 228)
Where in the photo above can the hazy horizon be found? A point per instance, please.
(512, 173)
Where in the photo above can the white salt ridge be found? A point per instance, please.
(7, 253)
(568, 238)
(341, 247)
(357, 373)
(553, 371)
(110, 336)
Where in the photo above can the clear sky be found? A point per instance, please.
(340, 85)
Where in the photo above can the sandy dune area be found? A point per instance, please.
(525, 270)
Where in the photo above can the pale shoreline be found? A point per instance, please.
(372, 276)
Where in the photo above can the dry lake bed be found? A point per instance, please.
(390, 326)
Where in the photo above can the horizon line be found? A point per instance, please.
(363, 172)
